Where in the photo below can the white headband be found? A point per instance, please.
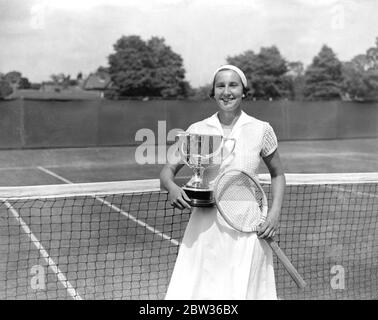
(233, 68)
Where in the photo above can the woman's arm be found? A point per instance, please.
(269, 227)
(177, 195)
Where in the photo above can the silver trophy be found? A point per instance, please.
(201, 152)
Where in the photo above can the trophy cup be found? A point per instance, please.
(201, 152)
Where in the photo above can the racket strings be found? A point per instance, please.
(240, 201)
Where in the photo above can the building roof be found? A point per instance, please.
(97, 81)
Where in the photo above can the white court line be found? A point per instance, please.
(55, 175)
(50, 262)
(16, 168)
(119, 210)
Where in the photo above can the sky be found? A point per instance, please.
(44, 37)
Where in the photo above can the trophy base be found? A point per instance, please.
(200, 197)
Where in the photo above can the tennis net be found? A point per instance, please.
(119, 240)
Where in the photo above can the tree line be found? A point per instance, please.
(272, 77)
(152, 69)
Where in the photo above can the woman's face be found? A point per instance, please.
(228, 90)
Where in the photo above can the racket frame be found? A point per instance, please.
(294, 274)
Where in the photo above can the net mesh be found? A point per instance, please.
(124, 245)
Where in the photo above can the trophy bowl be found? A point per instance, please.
(200, 152)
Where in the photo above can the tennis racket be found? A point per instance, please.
(242, 203)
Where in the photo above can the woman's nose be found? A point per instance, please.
(226, 90)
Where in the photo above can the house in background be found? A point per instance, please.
(61, 87)
(50, 86)
(99, 81)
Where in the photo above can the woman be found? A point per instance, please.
(215, 261)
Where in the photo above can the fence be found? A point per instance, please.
(49, 124)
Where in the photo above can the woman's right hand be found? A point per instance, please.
(178, 198)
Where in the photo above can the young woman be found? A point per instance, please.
(215, 261)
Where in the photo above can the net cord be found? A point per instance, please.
(153, 185)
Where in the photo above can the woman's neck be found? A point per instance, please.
(228, 119)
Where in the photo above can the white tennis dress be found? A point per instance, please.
(215, 261)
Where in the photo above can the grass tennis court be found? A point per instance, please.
(124, 247)
(80, 165)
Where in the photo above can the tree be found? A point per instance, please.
(361, 76)
(296, 75)
(13, 77)
(295, 69)
(5, 89)
(372, 56)
(323, 78)
(24, 83)
(61, 79)
(201, 93)
(16, 80)
(140, 68)
(265, 72)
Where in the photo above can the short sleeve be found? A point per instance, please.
(191, 128)
(269, 144)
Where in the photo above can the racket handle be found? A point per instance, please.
(286, 262)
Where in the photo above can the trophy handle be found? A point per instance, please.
(180, 148)
(225, 140)
(206, 157)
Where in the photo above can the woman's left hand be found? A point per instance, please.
(269, 228)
